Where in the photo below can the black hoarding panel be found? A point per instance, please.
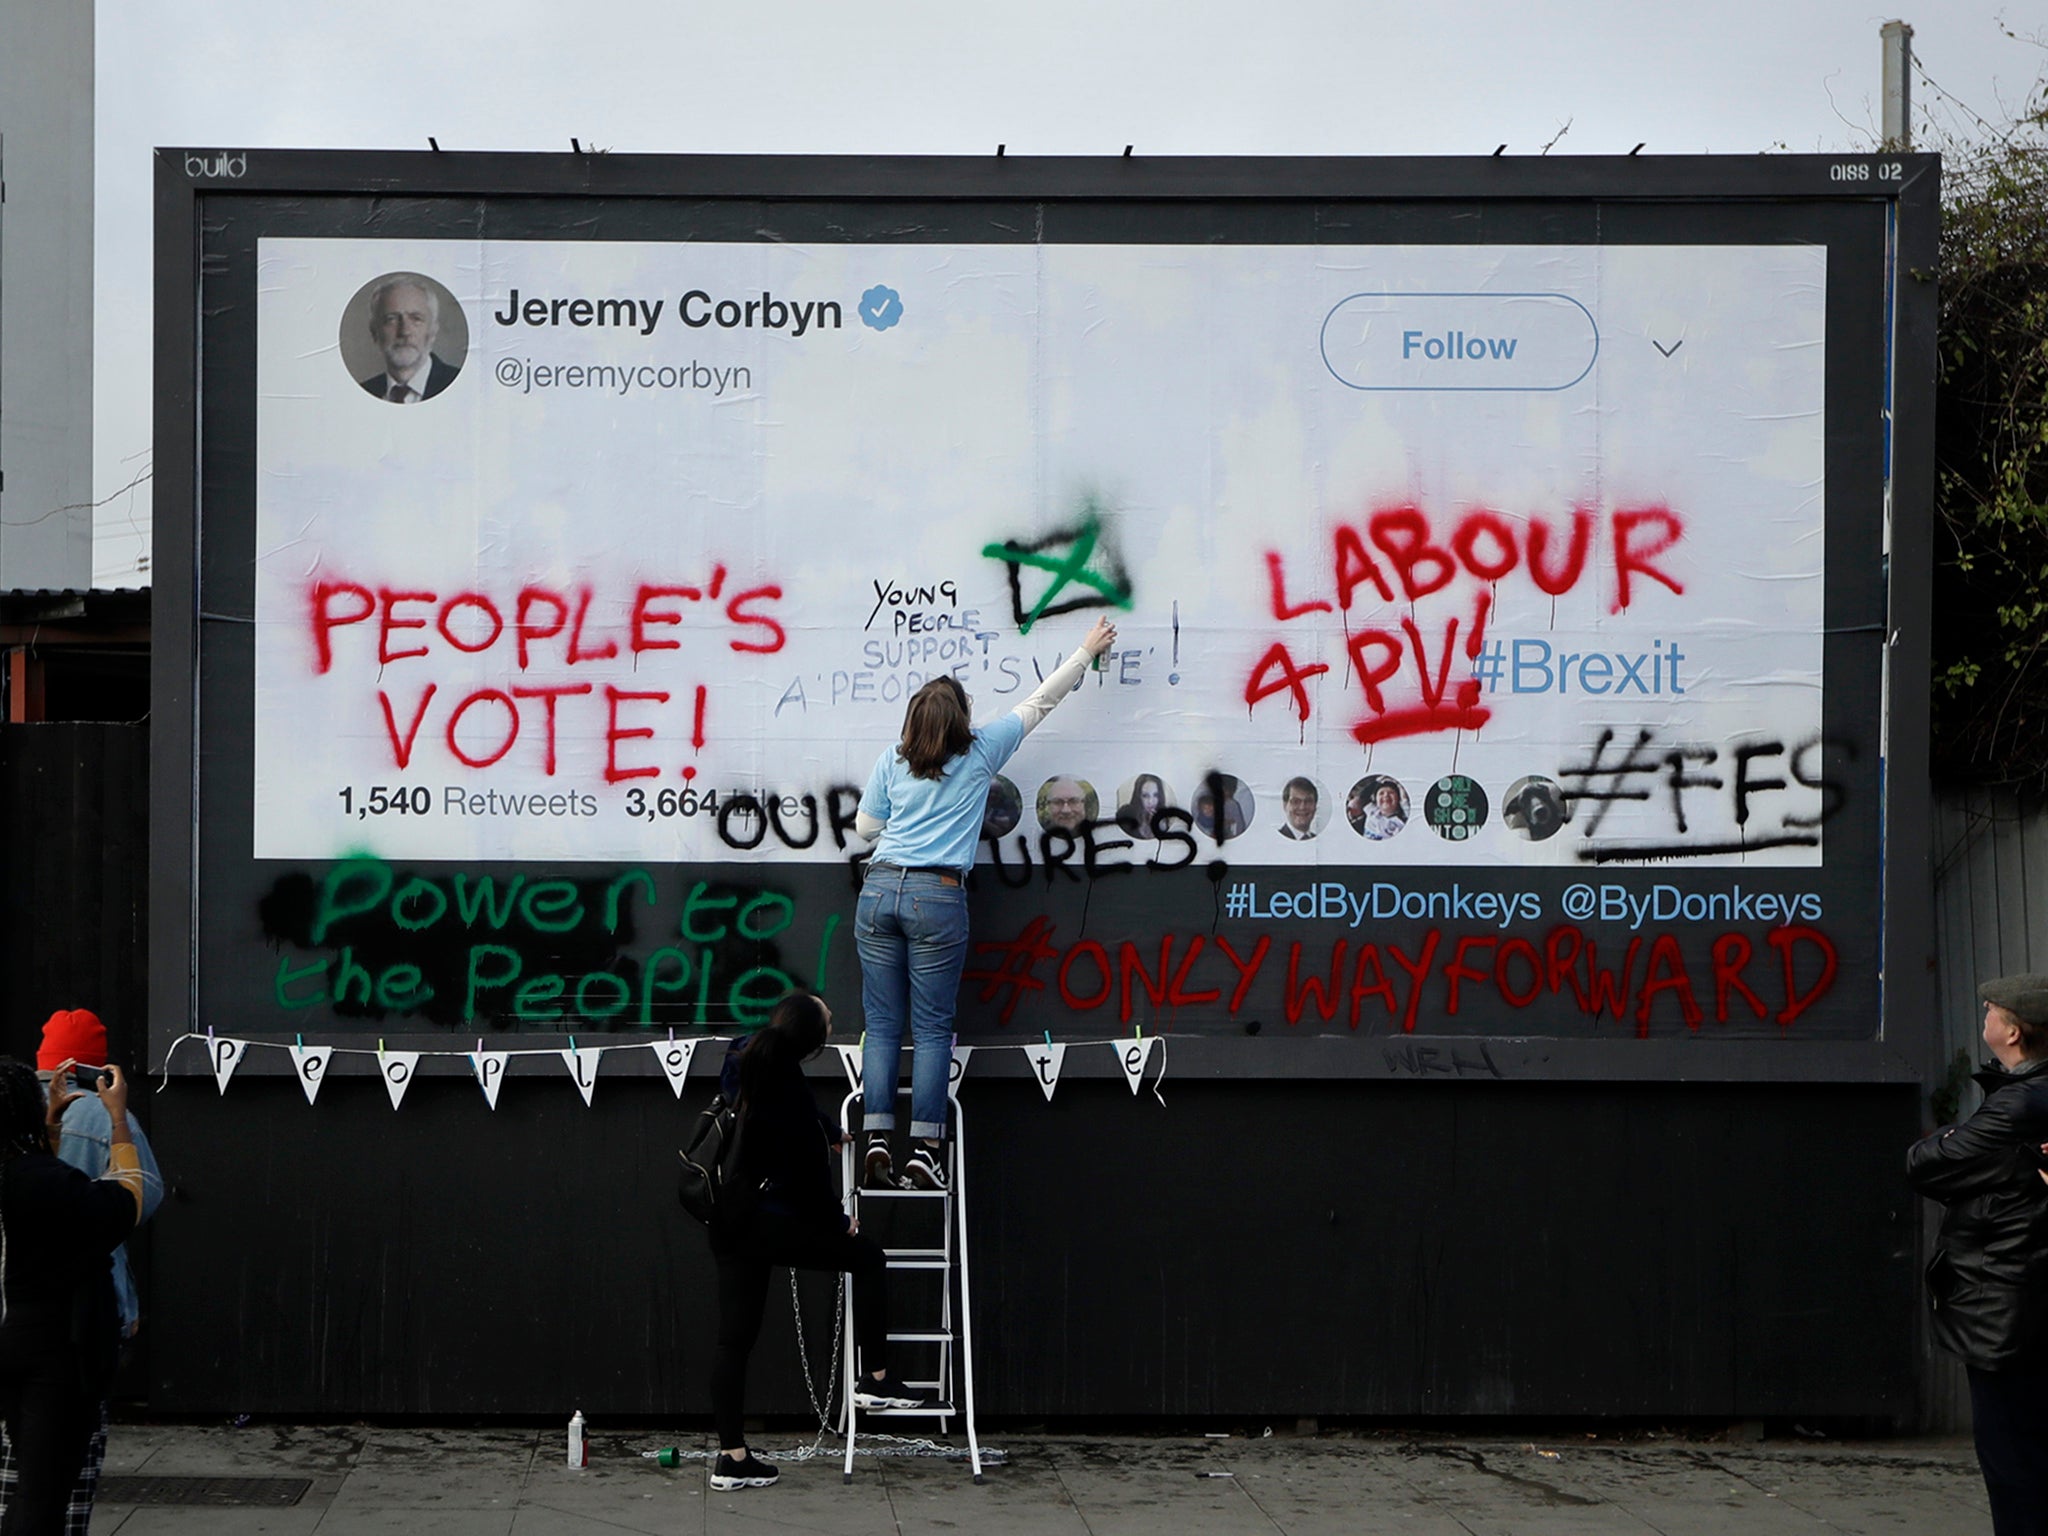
(74, 854)
(1339, 1249)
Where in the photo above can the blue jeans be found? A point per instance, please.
(910, 928)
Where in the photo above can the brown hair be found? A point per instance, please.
(935, 728)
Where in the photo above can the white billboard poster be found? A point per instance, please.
(1445, 555)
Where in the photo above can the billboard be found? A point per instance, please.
(1500, 588)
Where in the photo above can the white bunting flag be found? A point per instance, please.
(397, 1068)
(1045, 1066)
(489, 1067)
(957, 1070)
(849, 1059)
(1133, 1054)
(582, 1064)
(309, 1062)
(227, 1055)
(674, 1056)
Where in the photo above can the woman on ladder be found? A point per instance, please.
(924, 802)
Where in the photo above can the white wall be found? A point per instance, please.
(46, 159)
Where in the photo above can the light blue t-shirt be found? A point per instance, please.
(935, 823)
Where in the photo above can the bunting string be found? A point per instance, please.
(489, 1066)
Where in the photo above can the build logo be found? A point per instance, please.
(221, 163)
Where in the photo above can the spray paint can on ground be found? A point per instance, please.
(579, 1448)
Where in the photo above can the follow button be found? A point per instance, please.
(1460, 341)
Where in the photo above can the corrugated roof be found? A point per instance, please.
(76, 605)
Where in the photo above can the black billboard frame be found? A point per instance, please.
(1908, 184)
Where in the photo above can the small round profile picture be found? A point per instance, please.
(1377, 807)
(1302, 812)
(1005, 808)
(1455, 807)
(403, 338)
(1535, 808)
(1224, 806)
(1139, 801)
(1066, 803)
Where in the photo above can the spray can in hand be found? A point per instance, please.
(579, 1448)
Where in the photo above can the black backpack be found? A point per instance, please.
(709, 1185)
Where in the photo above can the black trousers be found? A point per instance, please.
(50, 1420)
(800, 1242)
(2009, 1412)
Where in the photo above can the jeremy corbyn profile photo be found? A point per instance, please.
(404, 338)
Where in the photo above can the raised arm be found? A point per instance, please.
(124, 1167)
(1062, 681)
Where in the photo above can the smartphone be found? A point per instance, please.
(88, 1078)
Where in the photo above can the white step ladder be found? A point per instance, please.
(953, 1338)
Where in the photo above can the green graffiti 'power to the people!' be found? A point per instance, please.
(500, 979)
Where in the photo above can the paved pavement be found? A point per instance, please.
(512, 1482)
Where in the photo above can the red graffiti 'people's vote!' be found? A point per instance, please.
(388, 626)
(546, 623)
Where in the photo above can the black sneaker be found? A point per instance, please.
(887, 1392)
(877, 1173)
(752, 1473)
(926, 1168)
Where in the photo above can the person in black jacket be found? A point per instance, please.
(1988, 1280)
(791, 1215)
(58, 1231)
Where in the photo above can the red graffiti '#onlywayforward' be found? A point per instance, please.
(1398, 558)
(390, 626)
(1651, 979)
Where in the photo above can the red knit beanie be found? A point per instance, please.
(75, 1034)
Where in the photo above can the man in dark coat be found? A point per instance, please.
(1988, 1280)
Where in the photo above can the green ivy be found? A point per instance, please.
(1990, 635)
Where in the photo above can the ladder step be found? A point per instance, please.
(934, 1411)
(918, 1264)
(904, 1194)
(914, 1253)
(932, 1336)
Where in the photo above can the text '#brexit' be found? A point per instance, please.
(1536, 666)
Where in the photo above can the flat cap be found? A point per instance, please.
(2025, 996)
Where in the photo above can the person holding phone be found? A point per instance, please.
(71, 1061)
(57, 1309)
(74, 1045)
(923, 805)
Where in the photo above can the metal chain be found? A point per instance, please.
(877, 1444)
(803, 1356)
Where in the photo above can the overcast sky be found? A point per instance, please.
(1173, 77)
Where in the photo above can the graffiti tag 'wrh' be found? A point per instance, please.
(1400, 559)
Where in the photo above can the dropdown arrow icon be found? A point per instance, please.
(1667, 351)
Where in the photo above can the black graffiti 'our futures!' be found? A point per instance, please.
(696, 309)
